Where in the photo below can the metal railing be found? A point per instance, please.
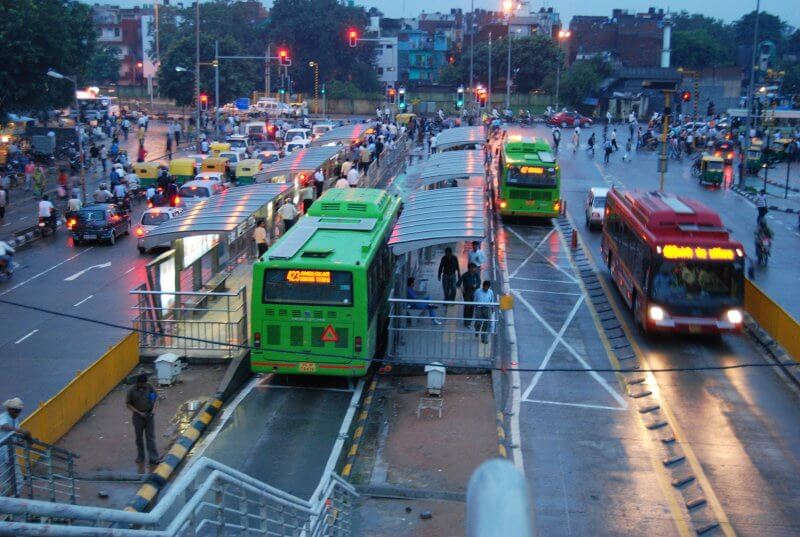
(389, 160)
(30, 468)
(198, 323)
(209, 498)
(455, 333)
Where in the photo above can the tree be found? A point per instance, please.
(791, 80)
(583, 80)
(103, 66)
(697, 49)
(38, 35)
(770, 28)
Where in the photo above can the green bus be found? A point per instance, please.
(320, 293)
(529, 179)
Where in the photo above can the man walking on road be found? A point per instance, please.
(142, 401)
(30, 169)
(449, 273)
(39, 182)
(469, 282)
(761, 205)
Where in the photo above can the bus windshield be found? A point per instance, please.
(531, 176)
(312, 287)
(686, 284)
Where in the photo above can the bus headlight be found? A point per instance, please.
(734, 316)
(656, 313)
(503, 204)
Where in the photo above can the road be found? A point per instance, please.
(741, 426)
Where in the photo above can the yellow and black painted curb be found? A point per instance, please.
(159, 477)
(361, 424)
(502, 450)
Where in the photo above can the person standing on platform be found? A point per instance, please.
(449, 273)
(469, 282)
(260, 236)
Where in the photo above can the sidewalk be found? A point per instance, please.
(780, 198)
(411, 465)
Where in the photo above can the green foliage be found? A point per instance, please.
(582, 80)
(770, 28)
(38, 35)
(696, 49)
(103, 66)
(346, 90)
(791, 81)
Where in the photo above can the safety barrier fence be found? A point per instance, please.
(30, 468)
(783, 328)
(196, 323)
(209, 498)
(454, 333)
(388, 163)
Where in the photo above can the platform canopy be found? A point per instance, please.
(460, 136)
(439, 216)
(218, 214)
(344, 134)
(450, 165)
(299, 160)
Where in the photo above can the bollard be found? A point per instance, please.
(574, 244)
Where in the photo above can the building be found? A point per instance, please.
(127, 30)
(386, 60)
(628, 39)
(421, 55)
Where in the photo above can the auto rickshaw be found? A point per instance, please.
(182, 169)
(246, 171)
(754, 158)
(218, 147)
(711, 169)
(779, 148)
(147, 172)
(216, 164)
(405, 119)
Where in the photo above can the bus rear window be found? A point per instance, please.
(305, 286)
(533, 176)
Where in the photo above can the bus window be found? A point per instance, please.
(306, 286)
(680, 283)
(532, 176)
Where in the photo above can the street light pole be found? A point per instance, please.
(509, 6)
(197, 67)
(471, 44)
(74, 80)
(216, 88)
(562, 34)
(315, 65)
(489, 86)
(750, 88)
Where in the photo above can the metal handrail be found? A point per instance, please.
(188, 293)
(432, 301)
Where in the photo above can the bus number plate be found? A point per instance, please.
(307, 367)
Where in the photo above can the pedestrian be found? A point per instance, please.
(62, 183)
(10, 423)
(628, 146)
(142, 153)
(288, 213)
(169, 147)
(590, 144)
(352, 176)
(3, 202)
(378, 150)
(260, 236)
(177, 130)
(126, 127)
(476, 256)
(434, 141)
(142, 401)
(576, 139)
(609, 117)
(307, 195)
(319, 181)
(614, 140)
(104, 158)
(342, 182)
(449, 273)
(469, 282)
(30, 169)
(556, 138)
(74, 204)
(140, 135)
(39, 182)
(761, 205)
(608, 150)
(364, 157)
(204, 147)
(413, 294)
(483, 314)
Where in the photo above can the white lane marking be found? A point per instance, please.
(45, 271)
(522, 278)
(533, 250)
(559, 339)
(7, 224)
(129, 270)
(547, 292)
(84, 271)
(580, 405)
(82, 301)
(26, 336)
(558, 268)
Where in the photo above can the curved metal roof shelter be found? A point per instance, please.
(345, 133)
(460, 136)
(450, 165)
(439, 216)
(301, 160)
(218, 214)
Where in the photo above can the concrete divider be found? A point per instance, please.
(781, 326)
(55, 417)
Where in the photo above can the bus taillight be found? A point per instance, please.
(358, 344)
(257, 340)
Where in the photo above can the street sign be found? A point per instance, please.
(242, 103)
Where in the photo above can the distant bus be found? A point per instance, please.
(93, 106)
(320, 293)
(674, 263)
(529, 181)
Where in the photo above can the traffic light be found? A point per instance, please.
(203, 102)
(686, 96)
(460, 97)
(482, 96)
(391, 95)
(353, 37)
(401, 99)
(283, 56)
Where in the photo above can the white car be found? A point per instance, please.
(321, 128)
(219, 177)
(297, 132)
(151, 219)
(297, 143)
(193, 192)
(238, 143)
(595, 207)
(234, 157)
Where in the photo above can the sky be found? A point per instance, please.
(727, 10)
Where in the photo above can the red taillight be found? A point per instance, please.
(177, 201)
(257, 339)
(730, 156)
(358, 344)
(149, 204)
(71, 223)
(139, 232)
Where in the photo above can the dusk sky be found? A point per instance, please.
(725, 9)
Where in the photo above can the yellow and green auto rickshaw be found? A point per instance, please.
(754, 158)
(215, 164)
(779, 148)
(219, 147)
(405, 119)
(182, 169)
(246, 171)
(147, 172)
(711, 169)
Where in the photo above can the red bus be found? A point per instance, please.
(674, 263)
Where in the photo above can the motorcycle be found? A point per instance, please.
(48, 224)
(763, 246)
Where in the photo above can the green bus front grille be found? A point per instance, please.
(530, 194)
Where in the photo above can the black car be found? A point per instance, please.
(99, 222)
(724, 149)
